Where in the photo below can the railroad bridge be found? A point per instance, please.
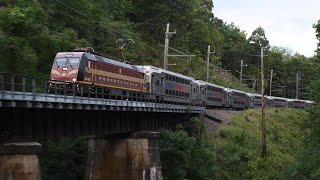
(123, 130)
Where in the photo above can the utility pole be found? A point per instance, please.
(208, 59)
(297, 85)
(241, 65)
(264, 142)
(166, 47)
(271, 75)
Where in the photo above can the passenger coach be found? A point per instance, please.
(169, 86)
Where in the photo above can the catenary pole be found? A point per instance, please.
(166, 48)
(271, 75)
(263, 104)
(241, 74)
(208, 59)
(297, 86)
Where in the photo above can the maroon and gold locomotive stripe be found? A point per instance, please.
(97, 84)
(105, 85)
(112, 75)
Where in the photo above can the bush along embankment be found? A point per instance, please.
(190, 152)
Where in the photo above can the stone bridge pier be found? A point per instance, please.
(124, 157)
(19, 161)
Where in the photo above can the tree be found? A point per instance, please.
(259, 39)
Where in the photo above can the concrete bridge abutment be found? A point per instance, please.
(19, 161)
(135, 156)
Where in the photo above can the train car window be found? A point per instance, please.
(61, 62)
(167, 77)
(166, 91)
(158, 83)
(74, 61)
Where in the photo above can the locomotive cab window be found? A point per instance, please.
(60, 62)
(74, 61)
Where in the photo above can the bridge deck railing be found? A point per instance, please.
(24, 86)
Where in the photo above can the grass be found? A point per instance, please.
(239, 144)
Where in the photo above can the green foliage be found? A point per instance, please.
(28, 45)
(239, 145)
(190, 153)
(308, 160)
(64, 159)
(316, 26)
(186, 156)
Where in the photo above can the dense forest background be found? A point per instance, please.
(33, 31)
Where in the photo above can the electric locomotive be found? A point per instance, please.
(85, 71)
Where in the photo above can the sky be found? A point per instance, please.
(287, 23)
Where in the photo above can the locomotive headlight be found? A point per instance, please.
(64, 68)
(74, 79)
(68, 55)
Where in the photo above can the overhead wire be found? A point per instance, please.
(112, 31)
(258, 55)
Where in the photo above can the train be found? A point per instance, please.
(87, 72)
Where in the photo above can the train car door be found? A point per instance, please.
(204, 93)
(156, 86)
(224, 98)
(230, 96)
(194, 89)
(251, 101)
